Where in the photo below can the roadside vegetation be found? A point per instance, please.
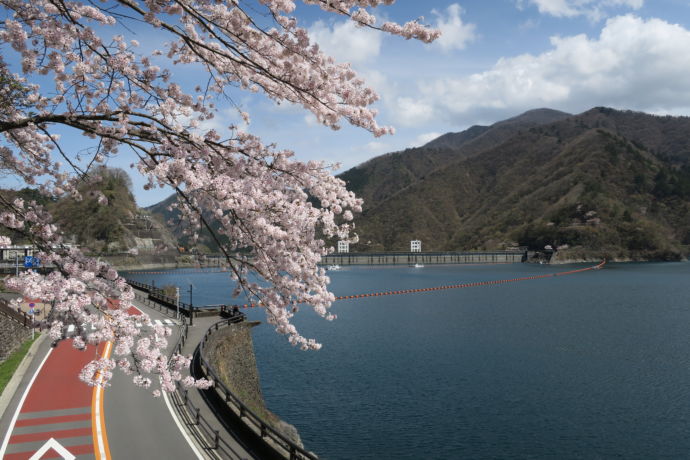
(10, 365)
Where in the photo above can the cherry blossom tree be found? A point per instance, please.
(80, 73)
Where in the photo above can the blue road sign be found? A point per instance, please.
(30, 261)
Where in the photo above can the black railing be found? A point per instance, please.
(206, 434)
(160, 299)
(211, 438)
(276, 440)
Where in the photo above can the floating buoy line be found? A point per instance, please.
(466, 285)
(438, 288)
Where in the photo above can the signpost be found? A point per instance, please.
(32, 312)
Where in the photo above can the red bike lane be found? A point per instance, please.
(59, 415)
(56, 417)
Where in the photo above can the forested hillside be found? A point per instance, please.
(602, 183)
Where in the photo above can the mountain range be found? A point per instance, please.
(604, 183)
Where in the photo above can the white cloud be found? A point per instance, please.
(347, 42)
(454, 33)
(410, 112)
(377, 147)
(594, 9)
(634, 63)
(424, 138)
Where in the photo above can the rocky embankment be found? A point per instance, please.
(231, 352)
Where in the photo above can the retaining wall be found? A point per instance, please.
(12, 335)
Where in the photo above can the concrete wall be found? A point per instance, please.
(411, 258)
(12, 335)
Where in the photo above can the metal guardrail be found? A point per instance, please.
(210, 438)
(272, 437)
(162, 300)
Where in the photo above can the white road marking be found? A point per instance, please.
(180, 427)
(169, 321)
(21, 403)
(57, 447)
(173, 414)
(158, 322)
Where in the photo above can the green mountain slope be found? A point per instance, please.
(382, 177)
(113, 228)
(602, 183)
(204, 244)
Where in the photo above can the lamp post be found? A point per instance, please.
(177, 301)
(191, 306)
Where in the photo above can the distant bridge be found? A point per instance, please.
(412, 258)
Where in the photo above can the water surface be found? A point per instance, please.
(590, 365)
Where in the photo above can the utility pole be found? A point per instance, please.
(177, 301)
(16, 264)
(191, 306)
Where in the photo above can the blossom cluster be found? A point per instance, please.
(274, 211)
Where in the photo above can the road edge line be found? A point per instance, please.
(173, 412)
(13, 384)
(189, 440)
(6, 441)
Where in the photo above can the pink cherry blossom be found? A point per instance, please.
(97, 82)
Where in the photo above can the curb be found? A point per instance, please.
(18, 375)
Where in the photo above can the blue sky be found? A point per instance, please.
(495, 60)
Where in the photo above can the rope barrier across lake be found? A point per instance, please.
(456, 286)
(440, 288)
(466, 285)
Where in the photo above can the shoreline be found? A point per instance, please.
(171, 262)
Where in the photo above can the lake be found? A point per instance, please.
(589, 365)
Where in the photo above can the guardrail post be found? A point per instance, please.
(185, 396)
(198, 414)
(216, 439)
(241, 411)
(263, 430)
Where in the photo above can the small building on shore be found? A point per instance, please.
(343, 247)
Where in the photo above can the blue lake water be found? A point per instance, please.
(589, 365)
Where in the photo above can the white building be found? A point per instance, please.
(415, 246)
(343, 246)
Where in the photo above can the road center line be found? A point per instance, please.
(102, 450)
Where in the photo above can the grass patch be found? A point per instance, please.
(10, 365)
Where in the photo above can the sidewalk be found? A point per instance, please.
(233, 440)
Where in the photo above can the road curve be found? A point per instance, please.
(54, 413)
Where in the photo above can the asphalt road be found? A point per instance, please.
(52, 409)
(139, 425)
